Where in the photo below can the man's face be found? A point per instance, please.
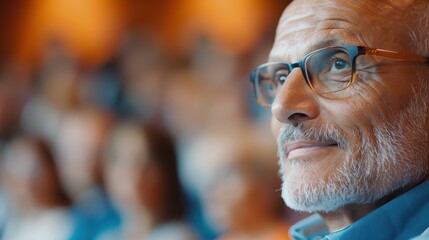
(365, 142)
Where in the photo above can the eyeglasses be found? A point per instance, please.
(326, 70)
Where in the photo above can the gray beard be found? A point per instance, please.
(371, 169)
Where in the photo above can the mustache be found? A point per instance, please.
(311, 132)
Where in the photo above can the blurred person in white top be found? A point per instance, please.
(32, 186)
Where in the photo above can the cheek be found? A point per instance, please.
(355, 119)
(387, 92)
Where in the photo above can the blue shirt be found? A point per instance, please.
(405, 217)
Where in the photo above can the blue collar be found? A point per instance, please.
(402, 218)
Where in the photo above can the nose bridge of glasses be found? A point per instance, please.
(294, 101)
(295, 83)
(299, 64)
(294, 71)
(302, 67)
(288, 83)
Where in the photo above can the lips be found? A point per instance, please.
(303, 146)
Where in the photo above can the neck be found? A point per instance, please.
(351, 213)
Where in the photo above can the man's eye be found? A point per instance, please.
(339, 64)
(280, 76)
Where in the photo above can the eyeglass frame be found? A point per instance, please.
(352, 50)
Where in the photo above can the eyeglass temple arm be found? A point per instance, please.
(396, 55)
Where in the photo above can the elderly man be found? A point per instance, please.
(348, 86)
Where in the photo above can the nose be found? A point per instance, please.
(295, 102)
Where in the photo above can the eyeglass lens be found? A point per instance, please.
(326, 71)
(329, 70)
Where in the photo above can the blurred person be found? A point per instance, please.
(14, 93)
(132, 83)
(199, 96)
(39, 205)
(193, 88)
(79, 141)
(218, 73)
(236, 178)
(185, 113)
(55, 91)
(184, 105)
(141, 175)
(142, 70)
(347, 83)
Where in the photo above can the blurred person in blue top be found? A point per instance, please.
(140, 169)
(348, 86)
(80, 138)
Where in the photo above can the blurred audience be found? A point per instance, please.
(141, 175)
(79, 141)
(236, 177)
(39, 205)
(193, 86)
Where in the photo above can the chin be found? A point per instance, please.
(309, 196)
(303, 201)
(309, 191)
(307, 188)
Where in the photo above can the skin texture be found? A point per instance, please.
(382, 93)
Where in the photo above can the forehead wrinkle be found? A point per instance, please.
(283, 50)
(305, 25)
(300, 28)
(326, 18)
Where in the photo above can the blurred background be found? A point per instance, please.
(75, 73)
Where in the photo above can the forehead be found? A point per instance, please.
(307, 25)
